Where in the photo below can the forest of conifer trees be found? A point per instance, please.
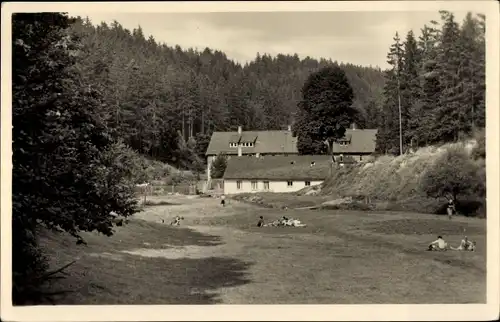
(166, 101)
(439, 77)
(155, 91)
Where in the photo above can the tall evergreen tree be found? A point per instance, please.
(388, 136)
(451, 114)
(430, 85)
(471, 72)
(410, 90)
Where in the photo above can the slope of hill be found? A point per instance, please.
(396, 183)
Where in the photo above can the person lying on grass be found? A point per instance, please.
(466, 244)
(439, 244)
(284, 222)
(177, 221)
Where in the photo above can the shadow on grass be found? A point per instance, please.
(150, 203)
(132, 279)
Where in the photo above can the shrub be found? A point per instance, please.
(218, 166)
(479, 151)
(453, 174)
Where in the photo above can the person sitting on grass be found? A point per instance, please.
(466, 244)
(261, 222)
(438, 244)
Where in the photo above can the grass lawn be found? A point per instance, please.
(218, 255)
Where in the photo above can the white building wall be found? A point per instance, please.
(231, 186)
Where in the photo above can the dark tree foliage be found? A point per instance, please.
(218, 166)
(325, 110)
(152, 90)
(441, 85)
(68, 173)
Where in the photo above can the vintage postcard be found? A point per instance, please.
(282, 160)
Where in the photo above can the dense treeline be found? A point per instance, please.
(152, 91)
(439, 79)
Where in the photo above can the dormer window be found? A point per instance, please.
(233, 145)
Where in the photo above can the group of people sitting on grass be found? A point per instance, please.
(176, 221)
(282, 222)
(440, 245)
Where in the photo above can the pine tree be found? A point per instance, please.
(410, 91)
(451, 114)
(471, 71)
(430, 85)
(388, 136)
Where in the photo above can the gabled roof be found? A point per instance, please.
(264, 142)
(279, 168)
(360, 141)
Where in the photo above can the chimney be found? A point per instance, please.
(239, 129)
(239, 150)
(289, 128)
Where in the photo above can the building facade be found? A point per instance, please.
(250, 144)
(275, 173)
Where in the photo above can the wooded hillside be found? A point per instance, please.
(152, 91)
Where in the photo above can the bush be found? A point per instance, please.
(218, 166)
(479, 151)
(452, 175)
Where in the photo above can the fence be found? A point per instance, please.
(159, 189)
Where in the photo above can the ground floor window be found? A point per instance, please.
(254, 185)
(266, 185)
(289, 183)
(308, 183)
(238, 185)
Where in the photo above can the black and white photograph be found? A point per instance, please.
(269, 153)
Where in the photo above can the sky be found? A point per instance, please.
(357, 37)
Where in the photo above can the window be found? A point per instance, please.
(250, 144)
(233, 145)
(254, 185)
(341, 158)
(360, 158)
(266, 185)
(238, 185)
(308, 183)
(289, 184)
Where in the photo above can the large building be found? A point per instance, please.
(250, 143)
(278, 173)
(356, 145)
(259, 147)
